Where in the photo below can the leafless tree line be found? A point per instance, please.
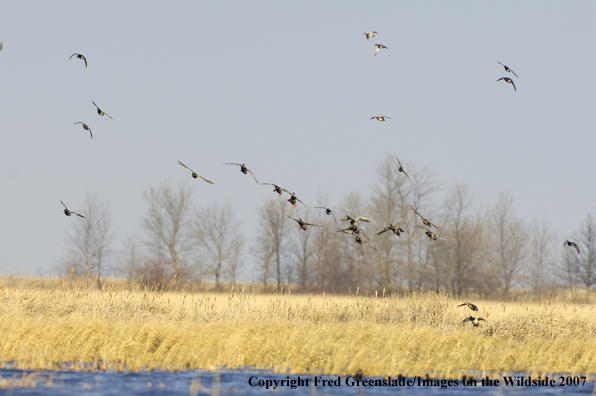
(489, 251)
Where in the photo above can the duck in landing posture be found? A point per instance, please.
(194, 175)
(380, 118)
(303, 225)
(470, 305)
(371, 34)
(361, 241)
(293, 199)
(379, 46)
(426, 222)
(572, 244)
(475, 321)
(85, 127)
(431, 235)
(508, 70)
(69, 212)
(327, 212)
(101, 113)
(80, 56)
(356, 220)
(354, 229)
(396, 230)
(243, 169)
(276, 188)
(401, 168)
(508, 80)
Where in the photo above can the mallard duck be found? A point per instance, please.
(475, 321)
(470, 305)
(380, 118)
(401, 168)
(354, 230)
(431, 235)
(396, 230)
(85, 127)
(379, 46)
(243, 169)
(371, 34)
(194, 175)
(572, 244)
(293, 199)
(69, 212)
(276, 188)
(303, 224)
(426, 222)
(356, 220)
(361, 241)
(508, 70)
(80, 56)
(508, 80)
(327, 212)
(101, 113)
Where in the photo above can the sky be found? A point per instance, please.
(289, 89)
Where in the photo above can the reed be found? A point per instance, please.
(58, 323)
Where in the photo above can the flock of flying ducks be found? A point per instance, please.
(354, 228)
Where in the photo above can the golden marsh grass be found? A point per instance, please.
(46, 324)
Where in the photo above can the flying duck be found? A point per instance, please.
(431, 235)
(356, 220)
(276, 188)
(69, 212)
(303, 225)
(354, 229)
(371, 34)
(80, 56)
(85, 127)
(470, 305)
(327, 212)
(194, 175)
(243, 169)
(361, 241)
(380, 118)
(293, 198)
(508, 80)
(572, 244)
(475, 321)
(396, 230)
(426, 222)
(379, 46)
(101, 113)
(401, 168)
(508, 70)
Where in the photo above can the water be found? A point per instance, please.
(230, 382)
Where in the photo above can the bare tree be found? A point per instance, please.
(465, 233)
(169, 227)
(509, 239)
(220, 241)
(271, 237)
(541, 258)
(386, 208)
(584, 263)
(301, 247)
(131, 258)
(90, 239)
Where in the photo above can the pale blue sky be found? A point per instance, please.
(289, 89)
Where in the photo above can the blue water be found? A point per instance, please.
(247, 382)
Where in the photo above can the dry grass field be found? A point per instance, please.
(57, 323)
